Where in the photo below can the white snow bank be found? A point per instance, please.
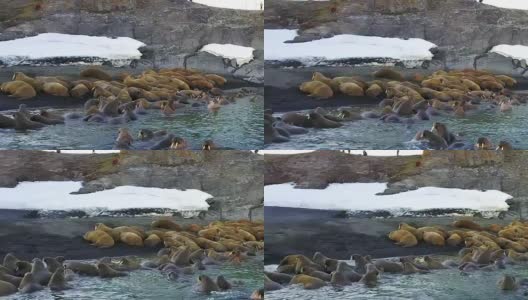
(55, 196)
(514, 51)
(234, 4)
(353, 152)
(242, 54)
(343, 47)
(47, 46)
(514, 4)
(362, 197)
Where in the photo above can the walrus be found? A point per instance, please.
(52, 264)
(257, 295)
(433, 238)
(181, 258)
(29, 284)
(7, 288)
(317, 89)
(80, 91)
(164, 144)
(46, 121)
(454, 240)
(15, 280)
(6, 122)
(440, 129)
(81, 268)
(503, 145)
(389, 74)
(308, 282)
(124, 139)
(57, 281)
(23, 267)
(55, 89)
(111, 108)
(222, 283)
(410, 268)
(97, 73)
(351, 89)
(279, 277)
(10, 262)
(270, 285)
(431, 263)
(19, 76)
(18, 89)
(467, 224)
(179, 143)
(131, 239)
(165, 224)
(370, 278)
(51, 115)
(507, 282)
(105, 271)
(292, 129)
(435, 141)
(40, 272)
(319, 121)
(483, 143)
(403, 238)
(23, 123)
(207, 285)
(388, 266)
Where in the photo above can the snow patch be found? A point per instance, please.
(519, 52)
(56, 196)
(234, 4)
(363, 197)
(345, 47)
(241, 54)
(57, 48)
(513, 4)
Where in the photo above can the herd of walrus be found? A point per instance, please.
(185, 251)
(489, 248)
(453, 93)
(120, 99)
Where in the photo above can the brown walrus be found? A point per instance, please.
(57, 281)
(207, 285)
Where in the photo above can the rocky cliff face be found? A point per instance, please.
(234, 178)
(174, 30)
(464, 30)
(505, 171)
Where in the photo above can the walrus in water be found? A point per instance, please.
(440, 129)
(370, 279)
(124, 139)
(163, 144)
(435, 141)
(257, 295)
(319, 121)
(503, 145)
(6, 122)
(52, 264)
(40, 272)
(82, 268)
(181, 258)
(483, 143)
(46, 121)
(7, 288)
(222, 283)
(507, 283)
(279, 277)
(58, 281)
(270, 285)
(23, 123)
(147, 134)
(29, 284)
(308, 282)
(207, 285)
(179, 143)
(105, 271)
(272, 135)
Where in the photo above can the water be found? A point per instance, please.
(374, 134)
(439, 284)
(152, 284)
(238, 126)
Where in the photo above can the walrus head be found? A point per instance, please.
(178, 143)
(483, 143)
(208, 145)
(503, 145)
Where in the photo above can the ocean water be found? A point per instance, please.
(238, 126)
(447, 284)
(152, 284)
(375, 134)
